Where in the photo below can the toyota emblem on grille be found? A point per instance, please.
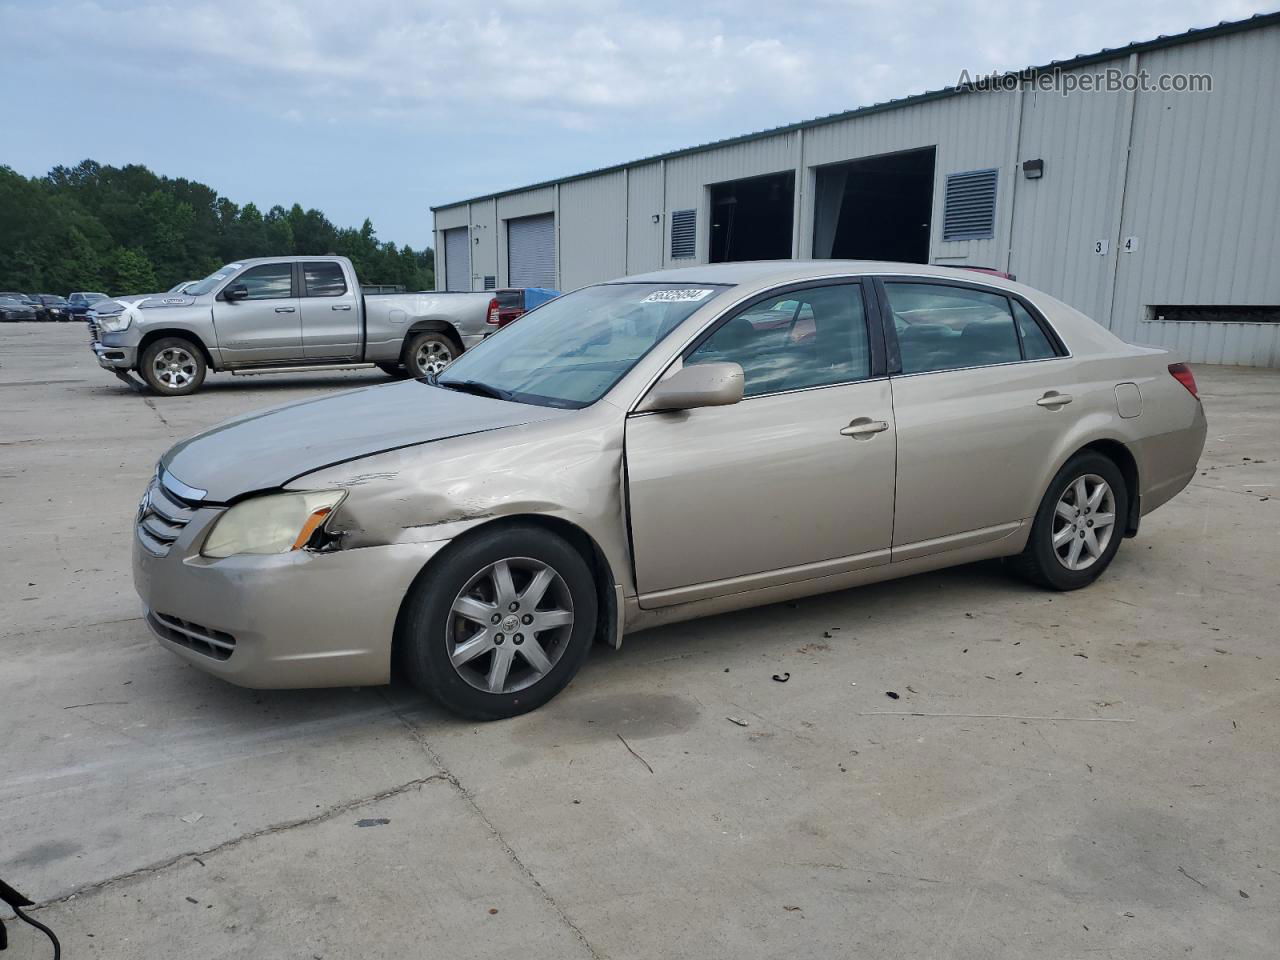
(144, 505)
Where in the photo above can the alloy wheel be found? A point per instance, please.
(175, 367)
(509, 625)
(432, 357)
(1084, 522)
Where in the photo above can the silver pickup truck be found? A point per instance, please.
(283, 314)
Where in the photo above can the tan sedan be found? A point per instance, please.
(655, 449)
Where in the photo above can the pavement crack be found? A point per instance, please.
(156, 410)
(470, 801)
(327, 814)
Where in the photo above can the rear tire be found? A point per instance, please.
(173, 367)
(1079, 525)
(430, 352)
(542, 594)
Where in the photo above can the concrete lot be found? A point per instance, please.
(157, 812)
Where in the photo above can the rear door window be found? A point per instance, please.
(323, 279)
(944, 327)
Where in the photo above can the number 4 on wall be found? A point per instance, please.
(1130, 245)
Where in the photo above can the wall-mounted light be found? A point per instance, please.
(1033, 169)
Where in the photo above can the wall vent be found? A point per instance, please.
(684, 234)
(969, 209)
(490, 282)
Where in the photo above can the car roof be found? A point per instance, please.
(771, 272)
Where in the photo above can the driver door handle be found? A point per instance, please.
(341, 306)
(864, 427)
(1054, 399)
(285, 309)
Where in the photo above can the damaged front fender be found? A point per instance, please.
(569, 468)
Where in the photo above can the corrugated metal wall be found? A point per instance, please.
(1194, 177)
(1203, 197)
(593, 230)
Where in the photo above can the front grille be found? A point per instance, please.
(94, 331)
(214, 644)
(161, 518)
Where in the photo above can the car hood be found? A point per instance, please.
(267, 449)
(149, 301)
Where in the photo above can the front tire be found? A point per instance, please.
(173, 367)
(500, 623)
(1079, 525)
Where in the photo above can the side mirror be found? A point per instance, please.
(237, 291)
(697, 385)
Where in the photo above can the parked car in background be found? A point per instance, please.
(514, 302)
(55, 307)
(183, 286)
(27, 299)
(651, 450)
(281, 314)
(12, 309)
(79, 303)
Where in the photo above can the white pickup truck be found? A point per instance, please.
(285, 314)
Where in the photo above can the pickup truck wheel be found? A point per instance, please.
(173, 367)
(500, 623)
(429, 352)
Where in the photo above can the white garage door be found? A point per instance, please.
(531, 251)
(457, 259)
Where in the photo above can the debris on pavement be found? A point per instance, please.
(192, 817)
(892, 695)
(634, 754)
(372, 822)
(782, 678)
(739, 722)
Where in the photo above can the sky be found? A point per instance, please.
(384, 108)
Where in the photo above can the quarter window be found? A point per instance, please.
(324, 279)
(945, 328)
(1035, 345)
(808, 338)
(268, 281)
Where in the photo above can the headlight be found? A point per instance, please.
(115, 324)
(276, 523)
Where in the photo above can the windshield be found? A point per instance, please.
(571, 351)
(212, 280)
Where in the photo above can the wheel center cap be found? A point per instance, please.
(510, 624)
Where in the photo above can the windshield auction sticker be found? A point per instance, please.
(677, 296)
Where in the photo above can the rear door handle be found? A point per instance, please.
(341, 306)
(285, 309)
(1054, 399)
(863, 428)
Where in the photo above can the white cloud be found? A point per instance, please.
(580, 64)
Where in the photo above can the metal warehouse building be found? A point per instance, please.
(1155, 212)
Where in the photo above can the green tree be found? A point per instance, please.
(92, 226)
(131, 272)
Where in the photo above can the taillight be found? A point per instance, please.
(492, 316)
(1182, 373)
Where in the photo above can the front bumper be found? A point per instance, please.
(115, 357)
(299, 619)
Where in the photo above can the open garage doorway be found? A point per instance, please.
(876, 208)
(752, 219)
